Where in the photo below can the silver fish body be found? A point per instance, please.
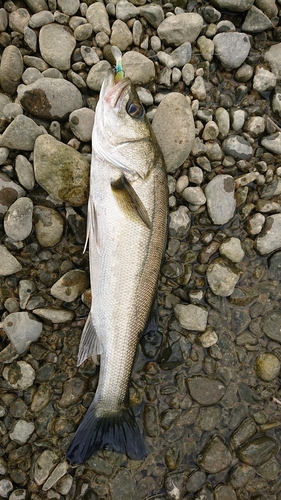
(127, 222)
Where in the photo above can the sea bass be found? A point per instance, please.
(127, 221)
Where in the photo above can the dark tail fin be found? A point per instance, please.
(118, 432)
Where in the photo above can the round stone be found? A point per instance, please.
(18, 219)
(49, 226)
(267, 366)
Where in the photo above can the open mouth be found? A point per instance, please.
(114, 94)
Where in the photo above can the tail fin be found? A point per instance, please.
(118, 432)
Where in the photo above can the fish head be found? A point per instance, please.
(122, 133)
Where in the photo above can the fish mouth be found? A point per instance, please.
(113, 95)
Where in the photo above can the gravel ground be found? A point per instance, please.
(205, 386)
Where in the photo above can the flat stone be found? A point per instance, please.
(237, 147)
(13, 137)
(121, 36)
(49, 226)
(61, 171)
(174, 128)
(54, 314)
(59, 471)
(256, 21)
(257, 451)
(138, 68)
(270, 237)
(56, 45)
(40, 18)
(8, 263)
(70, 286)
(220, 197)
(272, 143)
(50, 98)
(191, 317)
(22, 328)
(273, 57)
(205, 390)
(236, 5)
(215, 456)
(18, 219)
(271, 325)
(22, 431)
(232, 48)
(25, 173)
(69, 7)
(44, 465)
(175, 30)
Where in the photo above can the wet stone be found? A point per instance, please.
(224, 492)
(20, 375)
(245, 431)
(22, 431)
(6, 487)
(59, 471)
(222, 277)
(271, 325)
(270, 239)
(22, 328)
(191, 317)
(41, 397)
(205, 390)
(257, 451)
(150, 420)
(100, 466)
(175, 484)
(73, 391)
(123, 486)
(267, 366)
(44, 465)
(215, 457)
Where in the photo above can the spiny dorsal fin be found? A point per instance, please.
(128, 200)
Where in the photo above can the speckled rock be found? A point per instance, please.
(44, 465)
(54, 314)
(220, 198)
(256, 21)
(272, 143)
(18, 219)
(56, 54)
(180, 221)
(22, 328)
(49, 226)
(70, 286)
(81, 122)
(61, 171)
(50, 98)
(273, 57)
(176, 141)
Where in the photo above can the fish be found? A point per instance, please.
(126, 232)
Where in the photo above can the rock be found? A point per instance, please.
(22, 329)
(175, 30)
(195, 196)
(54, 314)
(25, 173)
(198, 88)
(257, 451)
(69, 7)
(232, 48)
(270, 238)
(98, 17)
(40, 18)
(6, 487)
(122, 486)
(59, 471)
(272, 143)
(276, 100)
(81, 122)
(11, 69)
(174, 128)
(18, 219)
(205, 390)
(223, 121)
(215, 456)
(263, 79)
(49, 226)
(138, 68)
(274, 268)
(237, 147)
(267, 366)
(191, 317)
(22, 431)
(273, 57)
(8, 263)
(13, 137)
(89, 55)
(50, 98)
(70, 286)
(235, 5)
(61, 171)
(126, 10)
(222, 278)
(56, 45)
(19, 374)
(271, 325)
(153, 13)
(73, 390)
(44, 465)
(180, 222)
(121, 36)
(221, 202)
(232, 249)
(256, 21)
(97, 74)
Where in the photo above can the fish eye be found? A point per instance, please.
(135, 109)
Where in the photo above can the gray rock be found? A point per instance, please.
(26, 288)
(174, 128)
(222, 278)
(30, 38)
(22, 431)
(220, 197)
(54, 315)
(238, 119)
(69, 7)
(22, 329)
(8, 263)
(18, 219)
(13, 137)
(56, 45)
(6, 487)
(236, 5)
(256, 21)
(276, 101)
(123, 485)
(81, 123)
(98, 17)
(138, 68)
(191, 317)
(40, 18)
(237, 147)
(255, 223)
(244, 73)
(215, 456)
(188, 74)
(18, 19)
(271, 325)
(223, 122)
(180, 221)
(89, 55)
(194, 195)
(50, 98)
(205, 390)
(49, 226)
(269, 7)
(36, 5)
(61, 171)
(9, 192)
(206, 47)
(3, 20)
(211, 131)
(97, 74)
(70, 286)
(83, 32)
(4, 153)
(11, 110)
(44, 465)
(175, 30)
(11, 69)
(121, 36)
(232, 48)
(257, 451)
(153, 13)
(25, 173)
(59, 471)
(20, 375)
(267, 366)
(272, 143)
(232, 249)
(273, 57)
(126, 10)
(19, 494)
(198, 88)
(270, 239)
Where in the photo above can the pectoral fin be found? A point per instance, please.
(92, 225)
(128, 200)
(89, 343)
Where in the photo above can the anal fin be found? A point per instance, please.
(89, 343)
(129, 201)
